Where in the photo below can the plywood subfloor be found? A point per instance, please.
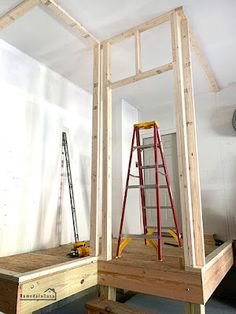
(135, 250)
(26, 262)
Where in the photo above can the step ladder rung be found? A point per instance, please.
(145, 146)
(147, 186)
(141, 236)
(154, 207)
(151, 166)
(163, 227)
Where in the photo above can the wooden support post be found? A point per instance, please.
(96, 150)
(107, 292)
(107, 157)
(192, 147)
(191, 308)
(194, 253)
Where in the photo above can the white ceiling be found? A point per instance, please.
(45, 38)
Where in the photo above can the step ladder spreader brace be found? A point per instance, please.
(152, 236)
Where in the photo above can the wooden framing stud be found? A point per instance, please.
(96, 153)
(107, 156)
(138, 64)
(187, 146)
(17, 12)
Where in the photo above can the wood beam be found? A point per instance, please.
(192, 147)
(96, 153)
(148, 277)
(182, 148)
(204, 63)
(194, 253)
(107, 156)
(65, 283)
(218, 264)
(17, 12)
(141, 28)
(138, 64)
(202, 59)
(69, 20)
(141, 76)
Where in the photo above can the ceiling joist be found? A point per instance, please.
(69, 20)
(204, 63)
(17, 12)
(202, 59)
(27, 5)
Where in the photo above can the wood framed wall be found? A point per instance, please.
(196, 267)
(194, 253)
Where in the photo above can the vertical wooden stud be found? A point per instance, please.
(96, 138)
(194, 253)
(192, 146)
(137, 52)
(182, 147)
(107, 156)
(107, 292)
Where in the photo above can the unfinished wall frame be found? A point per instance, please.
(121, 274)
(63, 276)
(199, 277)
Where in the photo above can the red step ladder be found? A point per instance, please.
(149, 235)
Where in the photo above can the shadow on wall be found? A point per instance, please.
(222, 124)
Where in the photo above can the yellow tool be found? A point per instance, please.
(81, 249)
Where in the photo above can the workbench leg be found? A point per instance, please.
(191, 308)
(108, 293)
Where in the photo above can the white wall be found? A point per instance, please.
(36, 104)
(217, 156)
(124, 117)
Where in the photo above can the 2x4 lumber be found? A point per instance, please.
(192, 147)
(65, 283)
(187, 151)
(17, 12)
(204, 63)
(141, 28)
(141, 76)
(218, 264)
(202, 58)
(137, 52)
(182, 149)
(48, 271)
(96, 169)
(107, 156)
(150, 278)
(107, 306)
(70, 21)
(191, 308)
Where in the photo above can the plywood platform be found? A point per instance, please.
(34, 280)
